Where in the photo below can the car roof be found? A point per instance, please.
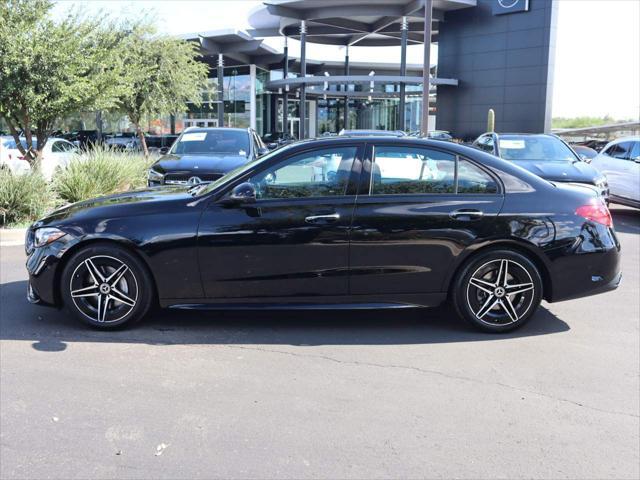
(632, 138)
(369, 132)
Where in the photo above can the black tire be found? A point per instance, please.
(479, 292)
(111, 286)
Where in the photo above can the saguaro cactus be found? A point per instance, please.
(491, 120)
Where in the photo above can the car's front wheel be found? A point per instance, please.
(106, 286)
(497, 291)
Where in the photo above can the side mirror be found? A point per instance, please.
(262, 151)
(164, 150)
(637, 159)
(242, 194)
(272, 145)
(584, 158)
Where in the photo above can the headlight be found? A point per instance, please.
(46, 235)
(155, 176)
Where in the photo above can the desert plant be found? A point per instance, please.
(23, 197)
(100, 171)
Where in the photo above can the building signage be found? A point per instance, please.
(500, 7)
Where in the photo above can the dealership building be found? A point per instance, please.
(492, 54)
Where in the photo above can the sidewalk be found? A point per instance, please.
(11, 237)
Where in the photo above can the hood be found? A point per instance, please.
(221, 163)
(561, 171)
(137, 202)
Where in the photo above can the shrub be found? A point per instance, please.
(100, 172)
(23, 198)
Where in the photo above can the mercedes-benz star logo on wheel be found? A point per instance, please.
(507, 3)
(194, 181)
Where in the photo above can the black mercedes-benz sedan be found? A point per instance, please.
(343, 222)
(545, 155)
(201, 155)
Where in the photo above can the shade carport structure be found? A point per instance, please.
(365, 23)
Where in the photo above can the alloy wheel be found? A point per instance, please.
(500, 292)
(104, 289)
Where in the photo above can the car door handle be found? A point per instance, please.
(332, 217)
(467, 214)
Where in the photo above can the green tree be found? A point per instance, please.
(49, 70)
(163, 74)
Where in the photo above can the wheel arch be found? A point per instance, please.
(108, 241)
(529, 251)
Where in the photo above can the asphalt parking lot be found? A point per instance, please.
(323, 395)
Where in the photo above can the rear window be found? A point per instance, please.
(228, 142)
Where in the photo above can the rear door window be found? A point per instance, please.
(410, 170)
(472, 179)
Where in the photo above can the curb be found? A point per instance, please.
(12, 237)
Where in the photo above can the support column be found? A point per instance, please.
(404, 30)
(426, 67)
(252, 97)
(172, 124)
(346, 88)
(220, 90)
(285, 95)
(303, 74)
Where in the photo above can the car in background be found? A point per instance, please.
(545, 155)
(124, 142)
(160, 143)
(403, 222)
(433, 135)
(205, 154)
(57, 154)
(277, 139)
(585, 153)
(368, 133)
(619, 160)
(9, 159)
(83, 138)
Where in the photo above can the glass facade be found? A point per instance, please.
(375, 107)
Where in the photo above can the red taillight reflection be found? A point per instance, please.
(596, 212)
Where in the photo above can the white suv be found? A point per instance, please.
(620, 162)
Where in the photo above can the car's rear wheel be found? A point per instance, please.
(106, 286)
(497, 291)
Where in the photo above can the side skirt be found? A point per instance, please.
(357, 302)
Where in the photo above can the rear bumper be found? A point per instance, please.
(584, 273)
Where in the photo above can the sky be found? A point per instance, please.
(597, 70)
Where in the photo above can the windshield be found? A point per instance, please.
(204, 142)
(237, 172)
(534, 147)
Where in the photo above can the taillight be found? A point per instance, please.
(596, 212)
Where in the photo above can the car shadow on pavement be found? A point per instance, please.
(625, 219)
(51, 330)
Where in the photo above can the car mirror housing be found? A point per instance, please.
(584, 158)
(242, 194)
(263, 151)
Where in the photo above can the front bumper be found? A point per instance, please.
(43, 266)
